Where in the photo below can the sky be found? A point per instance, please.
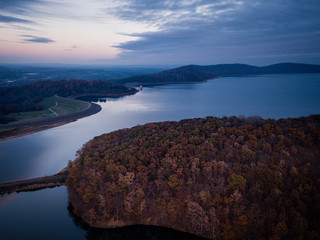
(159, 32)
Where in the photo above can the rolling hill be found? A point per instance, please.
(195, 73)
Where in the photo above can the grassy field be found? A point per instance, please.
(66, 106)
(61, 106)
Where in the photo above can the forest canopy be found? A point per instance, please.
(221, 178)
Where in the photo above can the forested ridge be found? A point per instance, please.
(27, 97)
(195, 73)
(221, 178)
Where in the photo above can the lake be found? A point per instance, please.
(44, 213)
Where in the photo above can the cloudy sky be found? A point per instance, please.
(166, 32)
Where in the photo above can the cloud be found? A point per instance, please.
(34, 39)
(223, 29)
(8, 19)
(72, 48)
(179, 31)
(17, 6)
(20, 27)
(165, 13)
(37, 10)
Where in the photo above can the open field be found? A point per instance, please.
(19, 129)
(59, 107)
(66, 106)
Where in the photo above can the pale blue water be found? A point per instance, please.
(45, 153)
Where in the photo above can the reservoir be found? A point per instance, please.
(44, 214)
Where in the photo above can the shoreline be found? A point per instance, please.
(24, 129)
(155, 84)
(15, 130)
(34, 184)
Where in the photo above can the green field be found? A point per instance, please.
(67, 106)
(60, 106)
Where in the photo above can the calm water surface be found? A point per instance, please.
(44, 213)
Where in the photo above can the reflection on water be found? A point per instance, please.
(6, 198)
(38, 215)
(136, 232)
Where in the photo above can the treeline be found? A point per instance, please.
(27, 97)
(228, 178)
(185, 74)
(195, 73)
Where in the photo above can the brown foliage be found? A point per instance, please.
(224, 178)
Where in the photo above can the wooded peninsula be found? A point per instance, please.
(220, 178)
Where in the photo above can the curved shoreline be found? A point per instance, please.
(23, 129)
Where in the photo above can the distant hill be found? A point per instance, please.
(195, 73)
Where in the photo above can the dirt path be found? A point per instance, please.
(56, 114)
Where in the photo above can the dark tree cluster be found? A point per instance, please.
(221, 178)
(27, 97)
